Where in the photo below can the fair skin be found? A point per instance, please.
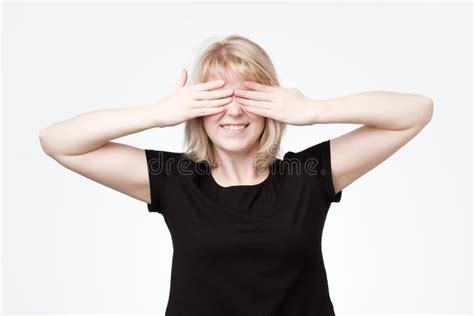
(84, 143)
(236, 150)
(390, 120)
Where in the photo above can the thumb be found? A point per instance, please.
(182, 79)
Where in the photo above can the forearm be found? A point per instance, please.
(91, 130)
(382, 109)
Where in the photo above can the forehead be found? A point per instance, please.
(235, 83)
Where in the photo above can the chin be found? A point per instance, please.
(234, 148)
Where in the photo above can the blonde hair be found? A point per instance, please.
(233, 57)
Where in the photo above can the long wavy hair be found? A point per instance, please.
(240, 58)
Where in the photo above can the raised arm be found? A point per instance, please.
(390, 121)
(84, 144)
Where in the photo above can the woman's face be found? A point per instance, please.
(234, 138)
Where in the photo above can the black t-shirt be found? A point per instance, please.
(246, 249)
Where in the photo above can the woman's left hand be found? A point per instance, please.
(286, 105)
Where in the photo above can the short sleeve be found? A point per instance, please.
(161, 166)
(320, 166)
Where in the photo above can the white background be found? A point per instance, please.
(400, 239)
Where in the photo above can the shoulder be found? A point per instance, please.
(162, 154)
(313, 161)
(310, 159)
(168, 161)
(313, 151)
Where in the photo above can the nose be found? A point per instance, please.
(234, 108)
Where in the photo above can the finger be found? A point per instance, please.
(254, 103)
(257, 86)
(259, 111)
(212, 103)
(208, 111)
(254, 95)
(214, 94)
(208, 85)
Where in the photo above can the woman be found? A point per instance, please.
(246, 225)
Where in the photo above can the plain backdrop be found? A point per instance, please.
(398, 242)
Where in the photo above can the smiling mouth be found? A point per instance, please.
(234, 127)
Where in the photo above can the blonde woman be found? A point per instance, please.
(246, 225)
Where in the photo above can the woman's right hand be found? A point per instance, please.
(187, 102)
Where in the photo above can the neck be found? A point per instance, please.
(238, 168)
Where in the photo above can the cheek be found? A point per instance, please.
(260, 123)
(209, 121)
(211, 125)
(262, 126)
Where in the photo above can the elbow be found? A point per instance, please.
(426, 111)
(44, 142)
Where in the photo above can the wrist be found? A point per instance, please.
(146, 115)
(151, 111)
(316, 107)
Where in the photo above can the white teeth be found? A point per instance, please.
(234, 127)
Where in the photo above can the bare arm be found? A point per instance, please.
(390, 121)
(86, 132)
(84, 144)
